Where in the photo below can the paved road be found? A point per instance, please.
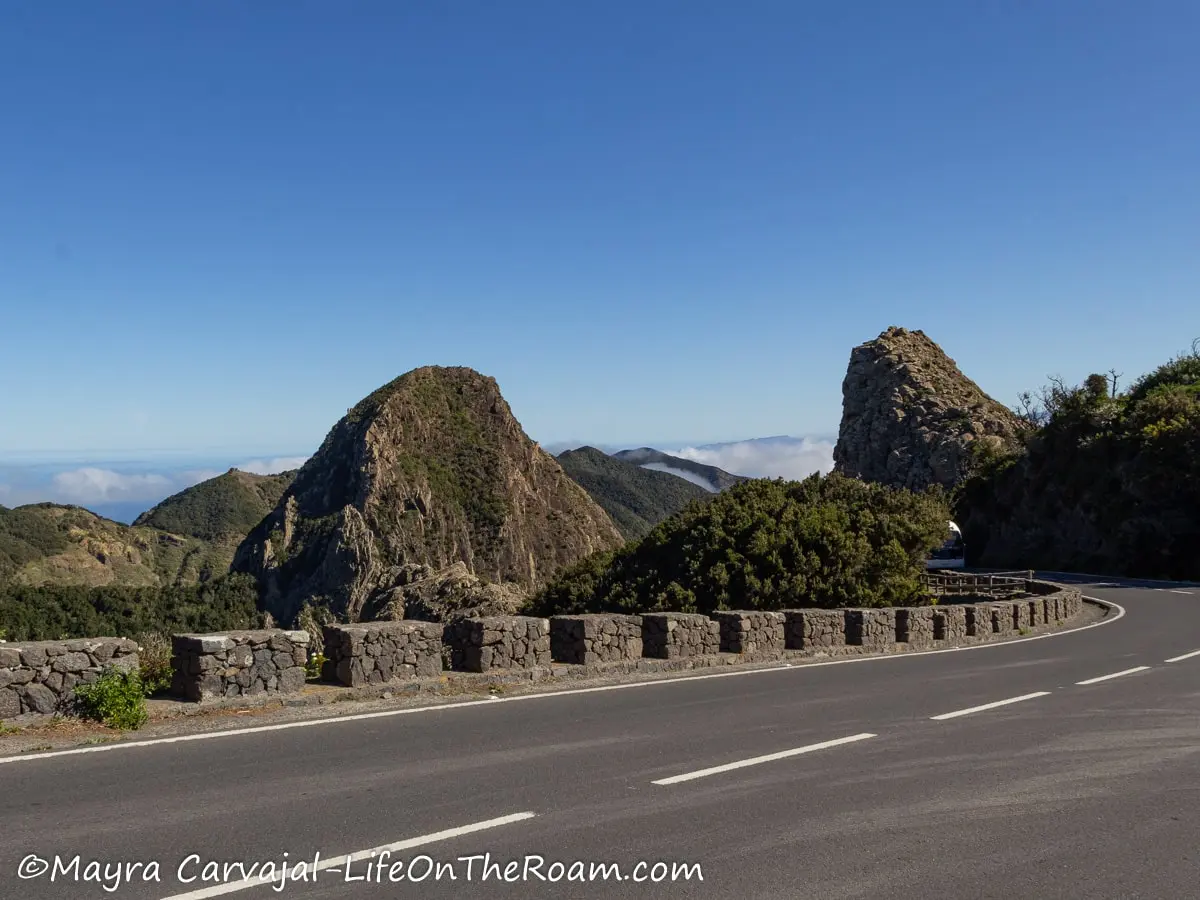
(889, 790)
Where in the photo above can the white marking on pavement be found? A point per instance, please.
(757, 760)
(1182, 658)
(1114, 675)
(218, 890)
(1189, 593)
(975, 709)
(516, 698)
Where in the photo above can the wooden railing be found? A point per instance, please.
(991, 584)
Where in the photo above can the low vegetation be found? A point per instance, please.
(57, 612)
(827, 541)
(118, 699)
(1106, 480)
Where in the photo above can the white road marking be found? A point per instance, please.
(218, 890)
(1114, 675)
(975, 709)
(1189, 593)
(1182, 658)
(516, 698)
(758, 760)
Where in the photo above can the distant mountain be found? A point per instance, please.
(431, 470)
(709, 477)
(48, 544)
(221, 507)
(637, 498)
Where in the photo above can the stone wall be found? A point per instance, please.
(41, 676)
(679, 635)
(498, 642)
(814, 629)
(750, 631)
(376, 652)
(949, 623)
(238, 663)
(914, 626)
(875, 628)
(595, 638)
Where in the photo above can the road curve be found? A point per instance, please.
(1055, 767)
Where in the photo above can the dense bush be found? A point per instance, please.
(827, 541)
(54, 612)
(1107, 482)
(117, 699)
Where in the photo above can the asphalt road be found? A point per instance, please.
(870, 778)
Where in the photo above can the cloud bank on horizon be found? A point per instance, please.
(92, 485)
(784, 457)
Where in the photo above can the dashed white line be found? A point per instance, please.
(1189, 593)
(218, 890)
(1114, 675)
(758, 760)
(1182, 658)
(975, 709)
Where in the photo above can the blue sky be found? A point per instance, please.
(223, 223)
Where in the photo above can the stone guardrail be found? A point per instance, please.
(40, 677)
(237, 663)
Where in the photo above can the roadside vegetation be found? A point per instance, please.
(1106, 480)
(828, 541)
(57, 612)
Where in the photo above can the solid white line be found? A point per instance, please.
(1189, 593)
(975, 709)
(1182, 658)
(1125, 583)
(1114, 675)
(757, 760)
(517, 698)
(218, 890)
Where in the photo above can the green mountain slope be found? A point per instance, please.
(48, 544)
(221, 507)
(637, 499)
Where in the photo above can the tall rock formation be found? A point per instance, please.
(910, 418)
(430, 470)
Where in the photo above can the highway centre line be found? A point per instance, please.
(334, 862)
(1183, 657)
(758, 760)
(520, 698)
(1114, 675)
(985, 706)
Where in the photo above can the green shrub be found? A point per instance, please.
(827, 541)
(117, 699)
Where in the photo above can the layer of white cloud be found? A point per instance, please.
(92, 485)
(273, 466)
(792, 458)
(680, 473)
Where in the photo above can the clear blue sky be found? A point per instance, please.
(222, 223)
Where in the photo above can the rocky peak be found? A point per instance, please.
(910, 417)
(430, 470)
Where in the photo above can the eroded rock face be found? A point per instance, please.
(911, 418)
(430, 470)
(420, 592)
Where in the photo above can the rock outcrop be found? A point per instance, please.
(432, 469)
(910, 418)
